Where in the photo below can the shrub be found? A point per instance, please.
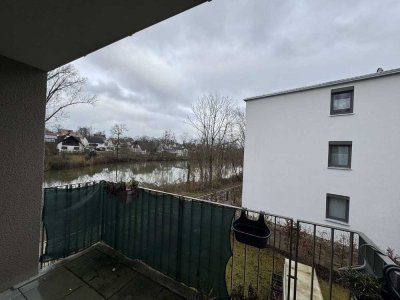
(393, 256)
(361, 284)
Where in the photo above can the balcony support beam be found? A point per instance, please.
(22, 111)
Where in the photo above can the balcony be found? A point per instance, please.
(102, 243)
(100, 272)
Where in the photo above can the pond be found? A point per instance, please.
(156, 172)
(149, 172)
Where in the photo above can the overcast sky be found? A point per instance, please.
(239, 48)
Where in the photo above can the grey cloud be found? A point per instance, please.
(239, 48)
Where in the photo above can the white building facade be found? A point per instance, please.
(329, 153)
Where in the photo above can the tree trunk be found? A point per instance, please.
(117, 146)
(188, 174)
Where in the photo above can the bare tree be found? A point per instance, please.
(117, 130)
(213, 119)
(168, 138)
(85, 131)
(240, 126)
(185, 138)
(234, 147)
(65, 88)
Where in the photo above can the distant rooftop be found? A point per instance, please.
(95, 139)
(330, 83)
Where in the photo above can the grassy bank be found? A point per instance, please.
(78, 160)
(196, 189)
(252, 266)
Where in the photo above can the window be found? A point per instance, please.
(76, 148)
(340, 154)
(337, 207)
(64, 148)
(342, 101)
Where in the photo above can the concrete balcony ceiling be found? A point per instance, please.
(49, 33)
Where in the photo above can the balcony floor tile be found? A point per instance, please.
(100, 273)
(104, 273)
(56, 284)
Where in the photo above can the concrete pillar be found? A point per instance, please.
(22, 112)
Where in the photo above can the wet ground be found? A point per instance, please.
(100, 273)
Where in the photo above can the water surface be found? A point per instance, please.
(148, 172)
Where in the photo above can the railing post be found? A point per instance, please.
(350, 262)
(155, 218)
(162, 231)
(179, 240)
(84, 216)
(91, 214)
(141, 254)
(274, 247)
(233, 252)
(313, 262)
(331, 263)
(290, 257)
(116, 229)
(296, 259)
(77, 220)
(102, 221)
(169, 233)
(258, 269)
(148, 228)
(42, 223)
(244, 271)
(200, 243)
(190, 241)
(66, 210)
(351, 248)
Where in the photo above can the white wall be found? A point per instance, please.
(286, 157)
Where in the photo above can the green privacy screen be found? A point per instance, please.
(71, 219)
(184, 239)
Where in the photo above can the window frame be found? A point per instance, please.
(341, 197)
(340, 143)
(340, 91)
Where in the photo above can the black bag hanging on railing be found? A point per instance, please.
(251, 232)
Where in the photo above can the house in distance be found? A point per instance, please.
(71, 143)
(97, 142)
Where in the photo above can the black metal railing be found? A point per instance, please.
(330, 249)
(192, 241)
(231, 195)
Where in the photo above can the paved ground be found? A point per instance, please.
(100, 273)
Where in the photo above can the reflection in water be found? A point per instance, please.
(156, 172)
(149, 172)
